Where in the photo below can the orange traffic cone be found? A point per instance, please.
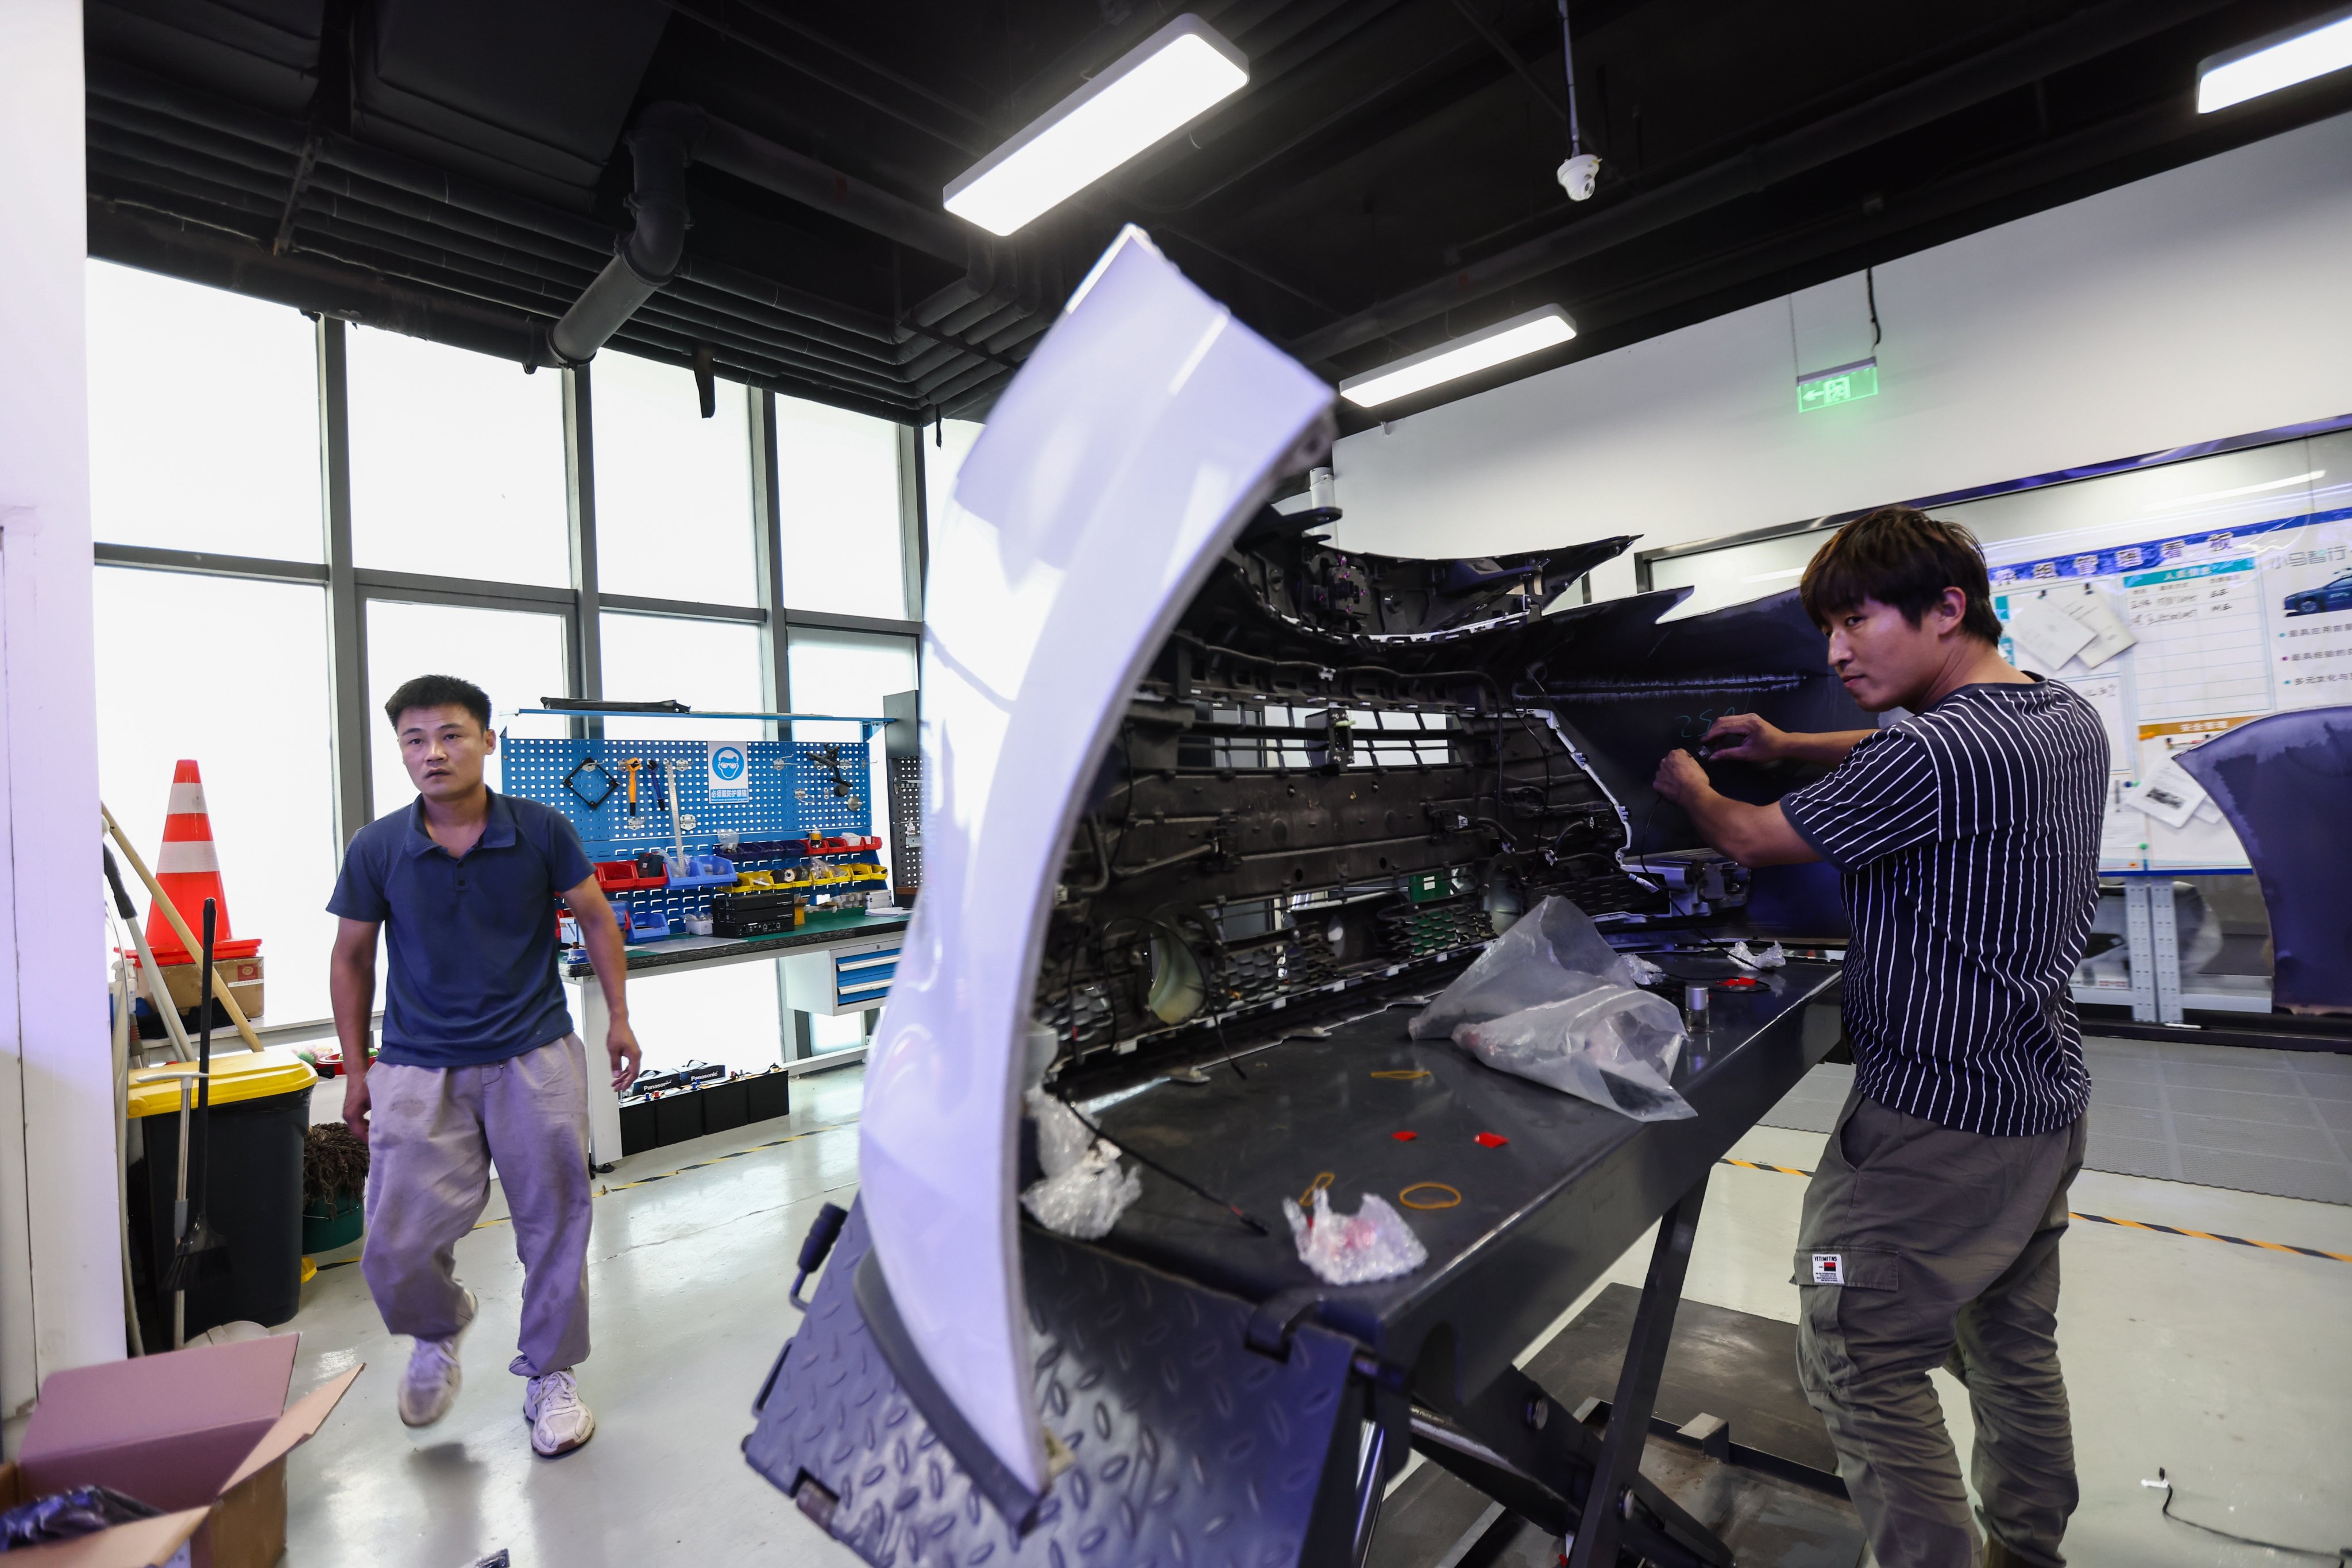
(190, 873)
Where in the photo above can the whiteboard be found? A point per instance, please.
(2227, 625)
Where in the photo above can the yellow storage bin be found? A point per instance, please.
(238, 1074)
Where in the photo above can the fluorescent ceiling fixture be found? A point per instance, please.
(2240, 490)
(2275, 60)
(1774, 577)
(1154, 89)
(1488, 346)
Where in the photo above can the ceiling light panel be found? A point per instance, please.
(2276, 60)
(1490, 347)
(1155, 88)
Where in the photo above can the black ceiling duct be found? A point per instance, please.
(530, 94)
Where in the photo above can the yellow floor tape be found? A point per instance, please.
(1743, 1165)
(2110, 1219)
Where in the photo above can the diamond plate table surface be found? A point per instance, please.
(1188, 1447)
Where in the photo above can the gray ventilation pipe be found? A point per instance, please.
(648, 256)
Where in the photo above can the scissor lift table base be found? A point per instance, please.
(1775, 1499)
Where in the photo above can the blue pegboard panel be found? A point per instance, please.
(791, 796)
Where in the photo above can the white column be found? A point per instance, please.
(60, 1275)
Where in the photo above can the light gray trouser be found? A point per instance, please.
(432, 1135)
(1944, 1245)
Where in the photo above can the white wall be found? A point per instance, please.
(60, 1275)
(2210, 300)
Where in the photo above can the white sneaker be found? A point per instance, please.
(429, 1387)
(559, 1422)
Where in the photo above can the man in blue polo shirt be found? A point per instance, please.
(480, 1061)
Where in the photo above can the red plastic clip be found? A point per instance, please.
(1404, 1137)
(1491, 1139)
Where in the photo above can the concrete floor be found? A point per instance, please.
(2227, 1364)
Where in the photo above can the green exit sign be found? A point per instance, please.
(1828, 388)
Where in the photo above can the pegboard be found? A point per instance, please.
(791, 791)
(790, 797)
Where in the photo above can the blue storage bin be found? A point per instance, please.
(699, 870)
(647, 925)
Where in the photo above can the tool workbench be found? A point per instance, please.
(1184, 1339)
(821, 933)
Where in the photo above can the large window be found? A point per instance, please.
(457, 463)
(712, 667)
(253, 716)
(515, 656)
(672, 489)
(945, 446)
(838, 477)
(203, 419)
(248, 625)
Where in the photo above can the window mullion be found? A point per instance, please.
(346, 634)
(586, 652)
(766, 555)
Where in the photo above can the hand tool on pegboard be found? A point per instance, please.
(595, 770)
(187, 938)
(668, 780)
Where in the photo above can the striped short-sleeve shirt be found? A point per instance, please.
(1968, 839)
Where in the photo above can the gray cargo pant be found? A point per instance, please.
(1923, 1247)
(432, 1135)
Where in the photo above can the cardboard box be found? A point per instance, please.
(185, 983)
(202, 1433)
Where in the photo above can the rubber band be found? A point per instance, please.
(1322, 1182)
(1402, 1075)
(1406, 1198)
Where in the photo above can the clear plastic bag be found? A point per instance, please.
(1552, 1002)
(1374, 1243)
(1084, 1191)
(1613, 1046)
(1553, 954)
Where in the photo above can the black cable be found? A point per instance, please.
(1190, 1185)
(1870, 292)
(2341, 1554)
(1233, 1057)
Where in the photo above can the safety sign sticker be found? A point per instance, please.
(730, 771)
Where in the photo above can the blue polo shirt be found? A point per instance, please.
(472, 942)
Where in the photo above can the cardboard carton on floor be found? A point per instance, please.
(202, 1434)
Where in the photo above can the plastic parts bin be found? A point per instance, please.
(624, 877)
(260, 1109)
(699, 871)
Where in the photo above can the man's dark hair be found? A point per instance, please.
(448, 691)
(1899, 555)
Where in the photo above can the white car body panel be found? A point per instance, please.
(1138, 438)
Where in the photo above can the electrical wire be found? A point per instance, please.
(1567, 64)
(1187, 1182)
(2341, 1554)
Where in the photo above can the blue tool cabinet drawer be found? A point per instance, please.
(844, 979)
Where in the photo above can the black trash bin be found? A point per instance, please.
(260, 1110)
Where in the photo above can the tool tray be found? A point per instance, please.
(623, 876)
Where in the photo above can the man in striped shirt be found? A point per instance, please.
(1966, 834)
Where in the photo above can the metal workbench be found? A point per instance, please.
(1205, 1383)
(680, 953)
